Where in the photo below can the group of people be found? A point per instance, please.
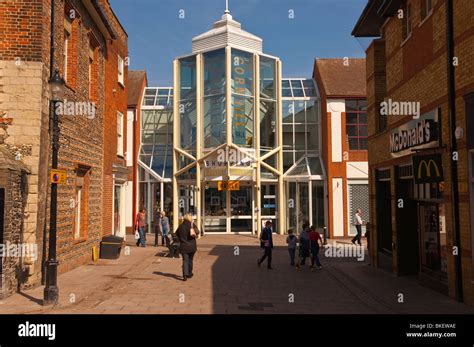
(306, 245)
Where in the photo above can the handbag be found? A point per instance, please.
(137, 235)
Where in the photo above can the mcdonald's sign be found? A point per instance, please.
(428, 169)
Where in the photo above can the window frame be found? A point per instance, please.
(120, 70)
(120, 135)
(357, 125)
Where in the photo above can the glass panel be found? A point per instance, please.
(268, 200)
(214, 121)
(288, 136)
(312, 134)
(242, 121)
(214, 72)
(300, 143)
(300, 112)
(351, 105)
(309, 88)
(188, 124)
(188, 77)
(311, 112)
(267, 78)
(287, 160)
(315, 166)
(300, 170)
(351, 130)
(292, 221)
(287, 108)
(214, 202)
(318, 204)
(267, 124)
(242, 72)
(303, 196)
(241, 202)
(163, 92)
(117, 202)
(297, 88)
(351, 118)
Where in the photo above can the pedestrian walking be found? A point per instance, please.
(358, 224)
(140, 225)
(314, 240)
(292, 241)
(165, 229)
(187, 233)
(304, 245)
(266, 242)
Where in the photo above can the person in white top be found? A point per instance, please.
(358, 224)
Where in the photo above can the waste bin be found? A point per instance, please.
(110, 247)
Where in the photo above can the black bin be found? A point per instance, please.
(110, 247)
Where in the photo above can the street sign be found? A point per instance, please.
(228, 185)
(58, 176)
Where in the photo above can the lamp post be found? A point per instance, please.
(57, 89)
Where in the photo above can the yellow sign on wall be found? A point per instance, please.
(228, 185)
(58, 176)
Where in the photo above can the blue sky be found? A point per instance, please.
(321, 28)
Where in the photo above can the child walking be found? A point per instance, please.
(292, 240)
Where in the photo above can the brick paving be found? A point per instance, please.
(227, 280)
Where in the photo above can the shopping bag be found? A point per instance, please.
(137, 235)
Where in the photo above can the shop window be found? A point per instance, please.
(356, 124)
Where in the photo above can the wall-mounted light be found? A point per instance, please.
(459, 133)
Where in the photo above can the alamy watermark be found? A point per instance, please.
(76, 108)
(400, 108)
(19, 250)
(342, 250)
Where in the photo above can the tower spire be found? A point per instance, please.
(227, 7)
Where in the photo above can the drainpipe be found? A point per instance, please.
(452, 140)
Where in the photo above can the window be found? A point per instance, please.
(119, 134)
(406, 20)
(90, 68)
(356, 124)
(426, 8)
(67, 36)
(77, 213)
(81, 202)
(120, 71)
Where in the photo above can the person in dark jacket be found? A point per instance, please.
(187, 233)
(266, 241)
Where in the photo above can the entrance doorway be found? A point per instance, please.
(299, 204)
(228, 211)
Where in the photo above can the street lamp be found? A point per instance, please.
(51, 291)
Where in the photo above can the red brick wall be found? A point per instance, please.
(21, 29)
(115, 101)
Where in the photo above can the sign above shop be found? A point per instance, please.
(228, 185)
(417, 134)
(428, 169)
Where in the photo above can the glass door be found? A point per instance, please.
(241, 203)
(303, 204)
(215, 209)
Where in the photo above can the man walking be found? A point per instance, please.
(358, 224)
(267, 244)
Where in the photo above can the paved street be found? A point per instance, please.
(227, 280)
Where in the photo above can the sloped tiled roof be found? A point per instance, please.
(135, 81)
(341, 79)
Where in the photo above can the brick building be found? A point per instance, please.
(341, 83)
(83, 31)
(137, 82)
(420, 106)
(116, 155)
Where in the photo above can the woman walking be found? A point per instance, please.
(140, 224)
(187, 233)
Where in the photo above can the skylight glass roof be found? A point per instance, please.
(158, 97)
(298, 88)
